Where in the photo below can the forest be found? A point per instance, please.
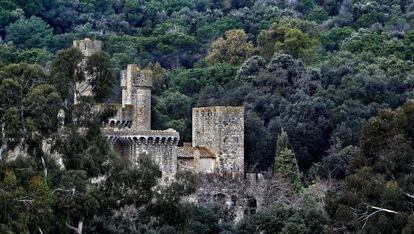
(326, 86)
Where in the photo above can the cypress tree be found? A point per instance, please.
(286, 165)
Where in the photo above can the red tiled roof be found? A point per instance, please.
(188, 152)
(206, 153)
(185, 152)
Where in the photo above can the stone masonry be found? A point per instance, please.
(129, 131)
(218, 132)
(221, 129)
(136, 87)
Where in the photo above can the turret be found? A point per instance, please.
(87, 47)
(136, 87)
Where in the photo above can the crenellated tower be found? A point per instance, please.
(88, 47)
(136, 87)
(129, 131)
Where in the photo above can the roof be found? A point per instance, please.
(188, 152)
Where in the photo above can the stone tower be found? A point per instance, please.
(136, 87)
(87, 47)
(221, 129)
(129, 131)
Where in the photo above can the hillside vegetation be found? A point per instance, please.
(332, 77)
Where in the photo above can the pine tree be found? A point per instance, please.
(286, 165)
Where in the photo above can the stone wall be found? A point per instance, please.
(186, 164)
(221, 129)
(163, 153)
(126, 88)
(123, 117)
(136, 87)
(160, 145)
(237, 195)
(88, 46)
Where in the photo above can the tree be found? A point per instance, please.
(378, 192)
(20, 86)
(233, 48)
(300, 40)
(28, 33)
(12, 125)
(285, 162)
(66, 72)
(84, 147)
(317, 14)
(42, 105)
(99, 68)
(77, 200)
(250, 68)
(34, 56)
(280, 219)
(130, 185)
(298, 44)
(335, 165)
(10, 91)
(168, 206)
(26, 199)
(304, 6)
(8, 14)
(282, 75)
(332, 39)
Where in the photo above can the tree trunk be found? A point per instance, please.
(78, 230)
(80, 227)
(3, 146)
(44, 166)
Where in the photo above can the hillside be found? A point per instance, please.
(325, 84)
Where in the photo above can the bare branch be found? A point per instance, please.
(71, 227)
(72, 190)
(381, 209)
(409, 195)
(364, 217)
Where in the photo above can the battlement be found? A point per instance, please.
(133, 76)
(124, 115)
(222, 109)
(169, 136)
(88, 46)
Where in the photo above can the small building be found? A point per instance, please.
(197, 159)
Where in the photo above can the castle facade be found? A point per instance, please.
(217, 132)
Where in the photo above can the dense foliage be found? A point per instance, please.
(318, 69)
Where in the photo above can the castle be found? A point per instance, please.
(217, 132)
